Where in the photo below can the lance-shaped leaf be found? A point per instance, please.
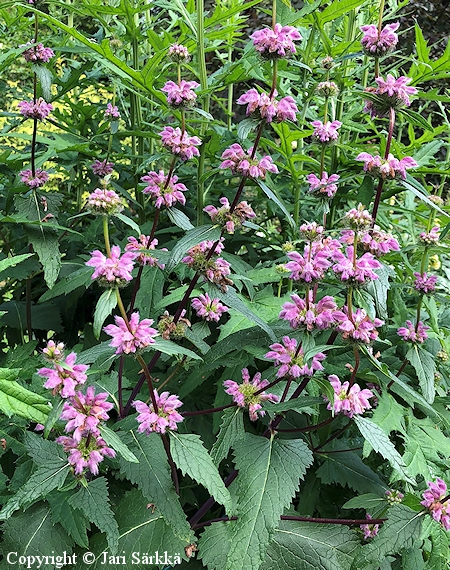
(12, 261)
(231, 429)
(105, 305)
(193, 458)
(425, 367)
(269, 474)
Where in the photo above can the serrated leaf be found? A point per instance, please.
(309, 546)
(46, 245)
(73, 522)
(12, 261)
(113, 440)
(193, 237)
(15, 399)
(272, 196)
(93, 502)
(179, 218)
(105, 306)
(336, 9)
(231, 429)
(152, 476)
(439, 554)
(425, 367)
(129, 222)
(389, 414)
(269, 474)
(192, 458)
(399, 531)
(412, 559)
(381, 443)
(214, 545)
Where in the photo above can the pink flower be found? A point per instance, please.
(440, 511)
(355, 270)
(425, 283)
(104, 202)
(312, 316)
(134, 337)
(241, 162)
(431, 237)
(409, 332)
(37, 53)
(39, 110)
(348, 401)
(111, 112)
(113, 271)
(378, 44)
(179, 53)
(140, 247)
(291, 360)
(397, 89)
(324, 186)
(87, 453)
(165, 417)
(166, 193)
(215, 270)
(370, 530)
(245, 396)
(83, 413)
(359, 327)
(102, 168)
(65, 376)
(358, 217)
(181, 95)
(277, 42)
(387, 169)
(311, 231)
(326, 133)
(210, 310)
(309, 267)
(269, 108)
(222, 216)
(39, 179)
(374, 240)
(180, 144)
(53, 352)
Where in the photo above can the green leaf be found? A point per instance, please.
(15, 399)
(389, 414)
(113, 440)
(129, 222)
(367, 502)
(12, 261)
(193, 237)
(425, 367)
(309, 546)
(416, 119)
(80, 278)
(231, 430)
(152, 476)
(399, 531)
(245, 127)
(272, 196)
(46, 245)
(45, 78)
(269, 475)
(381, 443)
(53, 416)
(43, 451)
(179, 218)
(406, 183)
(336, 9)
(214, 545)
(439, 554)
(93, 502)
(73, 522)
(297, 404)
(192, 458)
(105, 306)
(171, 348)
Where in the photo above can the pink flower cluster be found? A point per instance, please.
(392, 93)
(86, 454)
(102, 167)
(165, 417)
(166, 192)
(215, 270)
(431, 237)
(132, 336)
(207, 308)
(424, 283)
(358, 217)
(140, 247)
(39, 110)
(277, 42)
(37, 53)
(111, 112)
(291, 359)
(355, 270)
(309, 315)
(66, 375)
(180, 143)
(409, 333)
(326, 186)
(179, 53)
(311, 266)
(357, 327)
(370, 530)
(245, 394)
(222, 215)
(269, 108)
(53, 352)
(376, 241)
(432, 500)
(378, 44)
(104, 202)
(326, 133)
(387, 169)
(112, 271)
(311, 231)
(181, 95)
(348, 400)
(240, 162)
(39, 179)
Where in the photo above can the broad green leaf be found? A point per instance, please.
(43, 451)
(80, 278)
(45, 78)
(214, 545)
(152, 476)
(193, 237)
(12, 261)
(272, 196)
(231, 429)
(93, 501)
(412, 559)
(309, 546)
(105, 306)
(192, 458)
(425, 367)
(269, 474)
(368, 502)
(439, 554)
(129, 222)
(381, 443)
(399, 531)
(388, 414)
(53, 416)
(180, 219)
(15, 399)
(113, 440)
(425, 445)
(46, 245)
(245, 127)
(73, 522)
(171, 348)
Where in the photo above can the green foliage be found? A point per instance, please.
(231, 430)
